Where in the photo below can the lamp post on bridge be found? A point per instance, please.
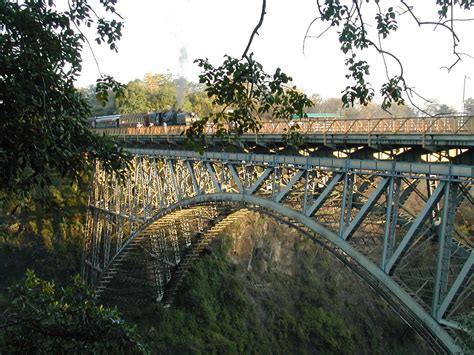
(464, 93)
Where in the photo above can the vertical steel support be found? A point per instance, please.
(118, 217)
(430, 187)
(156, 267)
(276, 181)
(305, 195)
(157, 180)
(146, 187)
(444, 243)
(107, 240)
(174, 239)
(346, 206)
(390, 231)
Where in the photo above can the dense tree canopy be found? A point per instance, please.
(99, 107)
(161, 92)
(43, 119)
(47, 319)
(156, 92)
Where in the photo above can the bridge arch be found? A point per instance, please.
(342, 204)
(381, 282)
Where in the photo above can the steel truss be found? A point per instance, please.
(394, 223)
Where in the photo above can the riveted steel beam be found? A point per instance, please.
(346, 206)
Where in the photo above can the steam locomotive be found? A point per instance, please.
(165, 118)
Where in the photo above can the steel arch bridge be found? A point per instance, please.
(393, 222)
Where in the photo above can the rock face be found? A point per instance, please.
(278, 262)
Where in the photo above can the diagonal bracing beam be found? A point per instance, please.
(212, 172)
(260, 181)
(417, 223)
(236, 177)
(288, 187)
(193, 177)
(460, 279)
(365, 209)
(323, 196)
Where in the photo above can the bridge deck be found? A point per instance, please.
(426, 132)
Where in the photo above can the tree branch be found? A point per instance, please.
(255, 30)
(443, 24)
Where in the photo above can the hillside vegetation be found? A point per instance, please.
(264, 289)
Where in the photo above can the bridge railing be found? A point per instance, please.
(404, 125)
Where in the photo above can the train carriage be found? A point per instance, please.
(170, 118)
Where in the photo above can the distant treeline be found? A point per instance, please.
(159, 92)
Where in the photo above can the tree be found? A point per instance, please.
(43, 118)
(198, 101)
(156, 92)
(434, 108)
(99, 108)
(46, 319)
(134, 98)
(242, 92)
(356, 34)
(469, 106)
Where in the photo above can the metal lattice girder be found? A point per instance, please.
(371, 213)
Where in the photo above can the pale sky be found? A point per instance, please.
(158, 33)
